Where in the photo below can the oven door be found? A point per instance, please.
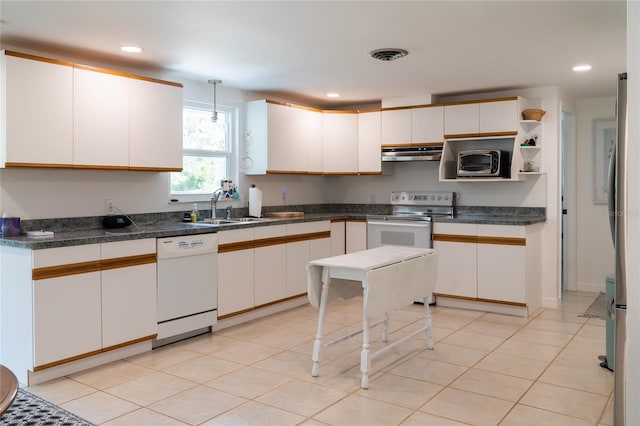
(398, 232)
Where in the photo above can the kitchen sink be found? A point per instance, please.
(211, 222)
(248, 219)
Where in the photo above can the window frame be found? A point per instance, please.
(231, 154)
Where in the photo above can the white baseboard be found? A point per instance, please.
(591, 287)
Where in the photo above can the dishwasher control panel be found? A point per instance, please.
(186, 245)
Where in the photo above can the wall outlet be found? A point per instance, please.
(108, 206)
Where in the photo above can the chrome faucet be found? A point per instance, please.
(228, 212)
(214, 201)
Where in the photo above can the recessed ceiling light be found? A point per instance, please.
(583, 67)
(131, 49)
(333, 95)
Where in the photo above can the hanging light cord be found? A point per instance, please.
(214, 115)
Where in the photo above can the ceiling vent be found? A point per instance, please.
(388, 54)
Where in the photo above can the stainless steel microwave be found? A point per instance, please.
(484, 163)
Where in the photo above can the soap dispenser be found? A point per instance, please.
(194, 213)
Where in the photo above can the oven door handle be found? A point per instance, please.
(406, 223)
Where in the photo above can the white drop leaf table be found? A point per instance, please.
(388, 278)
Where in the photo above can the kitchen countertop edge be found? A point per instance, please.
(160, 230)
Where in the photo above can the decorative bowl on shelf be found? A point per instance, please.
(533, 114)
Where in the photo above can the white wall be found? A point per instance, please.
(595, 249)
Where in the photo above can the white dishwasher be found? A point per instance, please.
(187, 286)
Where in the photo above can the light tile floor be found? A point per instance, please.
(486, 369)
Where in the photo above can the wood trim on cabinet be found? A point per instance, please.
(89, 167)
(101, 70)
(37, 58)
(356, 220)
(479, 299)
(338, 220)
(264, 305)
(125, 262)
(411, 107)
(341, 173)
(91, 266)
(272, 241)
(92, 353)
(307, 237)
(287, 104)
(11, 164)
(414, 145)
(241, 245)
(455, 238)
(482, 101)
(286, 172)
(369, 173)
(504, 241)
(480, 135)
(65, 270)
(480, 239)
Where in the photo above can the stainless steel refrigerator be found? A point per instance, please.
(618, 221)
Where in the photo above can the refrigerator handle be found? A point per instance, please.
(611, 196)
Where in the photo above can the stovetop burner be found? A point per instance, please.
(419, 205)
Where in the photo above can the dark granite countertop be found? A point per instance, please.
(79, 231)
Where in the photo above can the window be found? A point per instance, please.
(207, 151)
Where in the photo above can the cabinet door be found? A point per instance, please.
(319, 249)
(461, 119)
(340, 142)
(396, 126)
(338, 236)
(297, 259)
(457, 264)
(279, 119)
(369, 154)
(270, 264)
(500, 116)
(156, 125)
(315, 150)
(356, 235)
(67, 320)
(38, 119)
(100, 119)
(427, 124)
(502, 267)
(235, 281)
(129, 308)
(235, 271)
(299, 140)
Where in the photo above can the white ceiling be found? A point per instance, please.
(300, 50)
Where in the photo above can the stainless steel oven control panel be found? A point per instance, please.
(420, 198)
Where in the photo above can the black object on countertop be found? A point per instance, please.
(115, 221)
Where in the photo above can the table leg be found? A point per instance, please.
(427, 323)
(365, 355)
(317, 345)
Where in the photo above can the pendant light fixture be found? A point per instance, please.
(214, 115)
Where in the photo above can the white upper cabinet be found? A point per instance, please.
(156, 125)
(100, 118)
(340, 142)
(413, 125)
(270, 131)
(475, 119)
(396, 126)
(59, 114)
(37, 112)
(369, 160)
(315, 150)
(427, 125)
(461, 119)
(497, 117)
(299, 139)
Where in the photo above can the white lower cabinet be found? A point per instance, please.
(66, 317)
(265, 265)
(490, 267)
(456, 259)
(129, 308)
(235, 271)
(270, 265)
(356, 235)
(312, 241)
(77, 302)
(338, 238)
